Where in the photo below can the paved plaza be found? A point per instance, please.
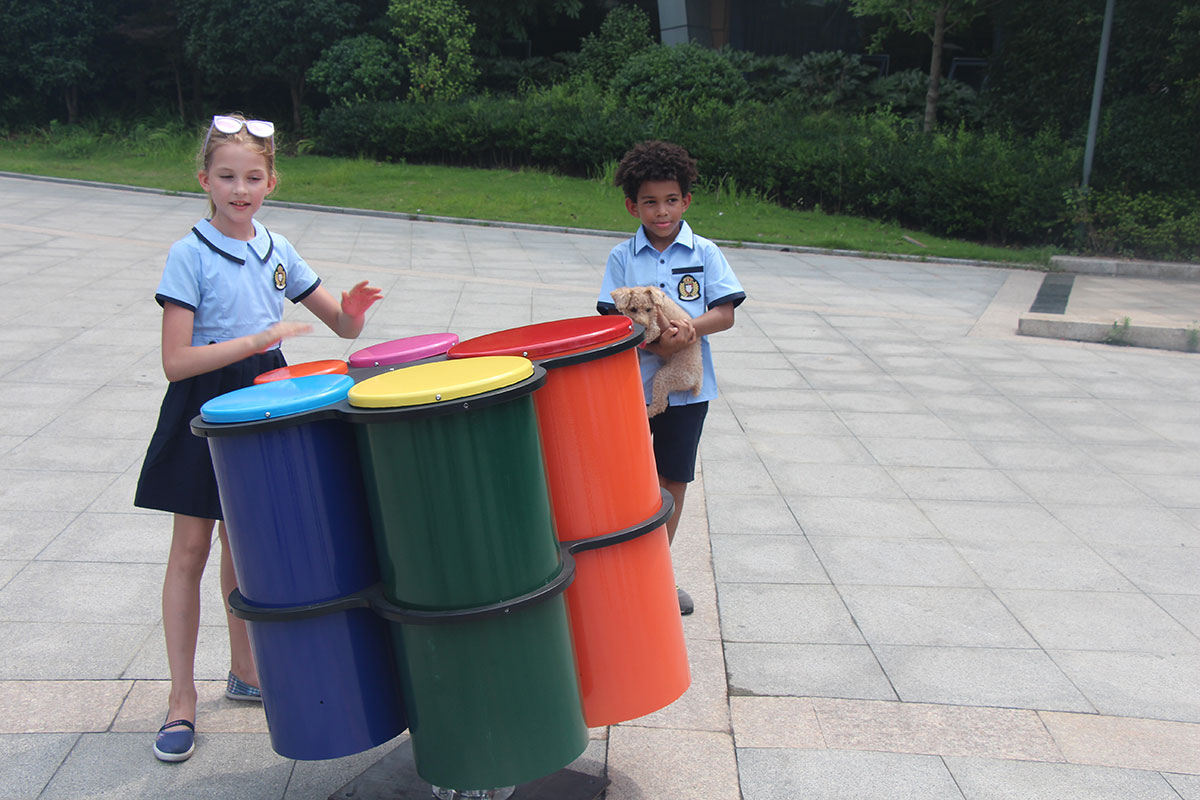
(930, 558)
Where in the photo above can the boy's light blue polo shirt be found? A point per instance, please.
(693, 272)
(235, 288)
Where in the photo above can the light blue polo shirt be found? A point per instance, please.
(235, 288)
(693, 272)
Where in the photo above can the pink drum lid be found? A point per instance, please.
(404, 351)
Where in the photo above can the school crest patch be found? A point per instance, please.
(689, 288)
(280, 278)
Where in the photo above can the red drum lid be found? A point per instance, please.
(547, 339)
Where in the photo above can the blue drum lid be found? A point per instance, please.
(277, 399)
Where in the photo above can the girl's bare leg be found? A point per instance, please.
(241, 659)
(191, 538)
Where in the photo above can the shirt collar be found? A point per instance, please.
(684, 238)
(235, 249)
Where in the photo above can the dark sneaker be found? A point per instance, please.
(686, 606)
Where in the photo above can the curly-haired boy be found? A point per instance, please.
(657, 178)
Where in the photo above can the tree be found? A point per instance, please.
(932, 18)
(511, 19)
(274, 39)
(435, 42)
(49, 45)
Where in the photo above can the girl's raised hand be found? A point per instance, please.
(360, 298)
(283, 330)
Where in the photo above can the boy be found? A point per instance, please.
(657, 180)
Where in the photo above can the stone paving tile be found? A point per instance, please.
(854, 561)
(1185, 609)
(788, 722)
(28, 762)
(759, 558)
(800, 613)
(69, 651)
(933, 616)
(646, 762)
(1188, 786)
(1135, 525)
(843, 775)
(979, 676)
(59, 706)
(866, 517)
(82, 592)
(737, 514)
(121, 765)
(981, 524)
(704, 706)
(1126, 742)
(805, 670)
(1159, 685)
(991, 779)
(145, 708)
(1044, 565)
(1104, 621)
(934, 729)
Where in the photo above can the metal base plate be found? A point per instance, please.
(394, 777)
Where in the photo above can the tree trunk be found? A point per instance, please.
(71, 98)
(935, 67)
(296, 85)
(179, 92)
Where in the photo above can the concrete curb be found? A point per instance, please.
(1186, 340)
(1173, 270)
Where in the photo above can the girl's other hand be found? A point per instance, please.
(360, 298)
(282, 330)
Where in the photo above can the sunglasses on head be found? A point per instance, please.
(260, 128)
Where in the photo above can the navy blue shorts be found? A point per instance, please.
(676, 434)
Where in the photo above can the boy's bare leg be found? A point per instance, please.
(241, 659)
(677, 490)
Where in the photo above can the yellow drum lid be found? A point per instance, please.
(439, 382)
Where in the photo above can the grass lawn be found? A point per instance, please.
(529, 196)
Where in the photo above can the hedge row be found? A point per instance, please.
(994, 187)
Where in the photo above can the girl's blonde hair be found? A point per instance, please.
(215, 138)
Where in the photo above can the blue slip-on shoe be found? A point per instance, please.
(237, 689)
(175, 745)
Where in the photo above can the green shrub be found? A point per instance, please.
(1163, 226)
(359, 68)
(668, 80)
(624, 31)
(519, 75)
(994, 186)
(832, 79)
(904, 92)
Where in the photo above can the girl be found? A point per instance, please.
(222, 295)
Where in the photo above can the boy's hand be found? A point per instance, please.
(360, 298)
(675, 336)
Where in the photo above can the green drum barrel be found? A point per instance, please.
(453, 469)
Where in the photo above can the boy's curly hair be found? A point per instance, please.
(655, 161)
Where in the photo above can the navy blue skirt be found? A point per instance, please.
(177, 475)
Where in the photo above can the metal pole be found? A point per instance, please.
(1094, 120)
